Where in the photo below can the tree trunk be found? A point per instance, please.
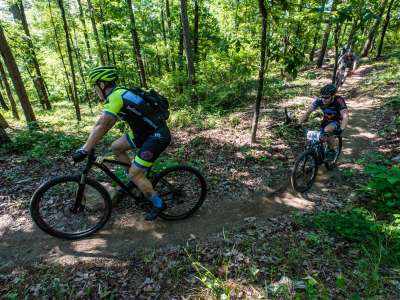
(180, 49)
(56, 38)
(324, 46)
(71, 62)
(385, 26)
(325, 39)
(352, 32)
(16, 78)
(96, 34)
(3, 134)
(374, 29)
(85, 33)
(312, 52)
(263, 13)
(196, 30)
(136, 46)
(105, 35)
(168, 15)
(9, 93)
(336, 37)
(164, 34)
(39, 81)
(187, 43)
(80, 69)
(3, 103)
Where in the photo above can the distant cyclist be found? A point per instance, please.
(336, 115)
(347, 61)
(148, 132)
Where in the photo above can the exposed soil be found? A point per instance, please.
(240, 187)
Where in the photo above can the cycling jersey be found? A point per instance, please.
(347, 61)
(152, 139)
(332, 110)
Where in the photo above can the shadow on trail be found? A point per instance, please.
(242, 184)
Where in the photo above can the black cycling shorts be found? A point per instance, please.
(150, 147)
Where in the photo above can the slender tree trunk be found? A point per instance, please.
(352, 32)
(3, 103)
(85, 33)
(324, 46)
(374, 29)
(261, 71)
(71, 62)
(312, 53)
(136, 46)
(38, 80)
(336, 37)
(9, 93)
(80, 69)
(96, 34)
(385, 26)
(180, 49)
(196, 30)
(164, 34)
(105, 35)
(122, 58)
(3, 134)
(325, 39)
(169, 28)
(16, 78)
(57, 41)
(187, 43)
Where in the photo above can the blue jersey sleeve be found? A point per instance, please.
(316, 104)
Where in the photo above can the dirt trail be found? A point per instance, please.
(122, 236)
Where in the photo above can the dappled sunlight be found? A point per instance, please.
(94, 245)
(294, 201)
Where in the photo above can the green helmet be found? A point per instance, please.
(328, 90)
(103, 73)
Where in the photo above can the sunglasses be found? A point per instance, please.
(325, 97)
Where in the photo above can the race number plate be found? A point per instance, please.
(313, 136)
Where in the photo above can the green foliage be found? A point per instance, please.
(35, 144)
(211, 282)
(384, 184)
(355, 225)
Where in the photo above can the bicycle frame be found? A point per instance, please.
(318, 148)
(98, 162)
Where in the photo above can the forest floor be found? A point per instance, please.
(244, 242)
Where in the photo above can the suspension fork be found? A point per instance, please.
(78, 207)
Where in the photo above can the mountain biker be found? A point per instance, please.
(348, 60)
(336, 115)
(150, 138)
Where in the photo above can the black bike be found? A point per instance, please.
(72, 207)
(306, 167)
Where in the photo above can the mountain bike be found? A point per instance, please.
(306, 166)
(340, 76)
(76, 206)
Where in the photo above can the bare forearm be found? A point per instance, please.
(345, 120)
(95, 136)
(104, 124)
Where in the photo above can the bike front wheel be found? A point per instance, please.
(64, 208)
(304, 171)
(183, 189)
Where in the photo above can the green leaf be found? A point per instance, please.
(393, 179)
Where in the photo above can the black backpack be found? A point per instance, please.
(157, 106)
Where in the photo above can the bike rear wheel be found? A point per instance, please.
(330, 165)
(183, 189)
(56, 210)
(304, 171)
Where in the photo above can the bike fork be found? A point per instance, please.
(79, 194)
